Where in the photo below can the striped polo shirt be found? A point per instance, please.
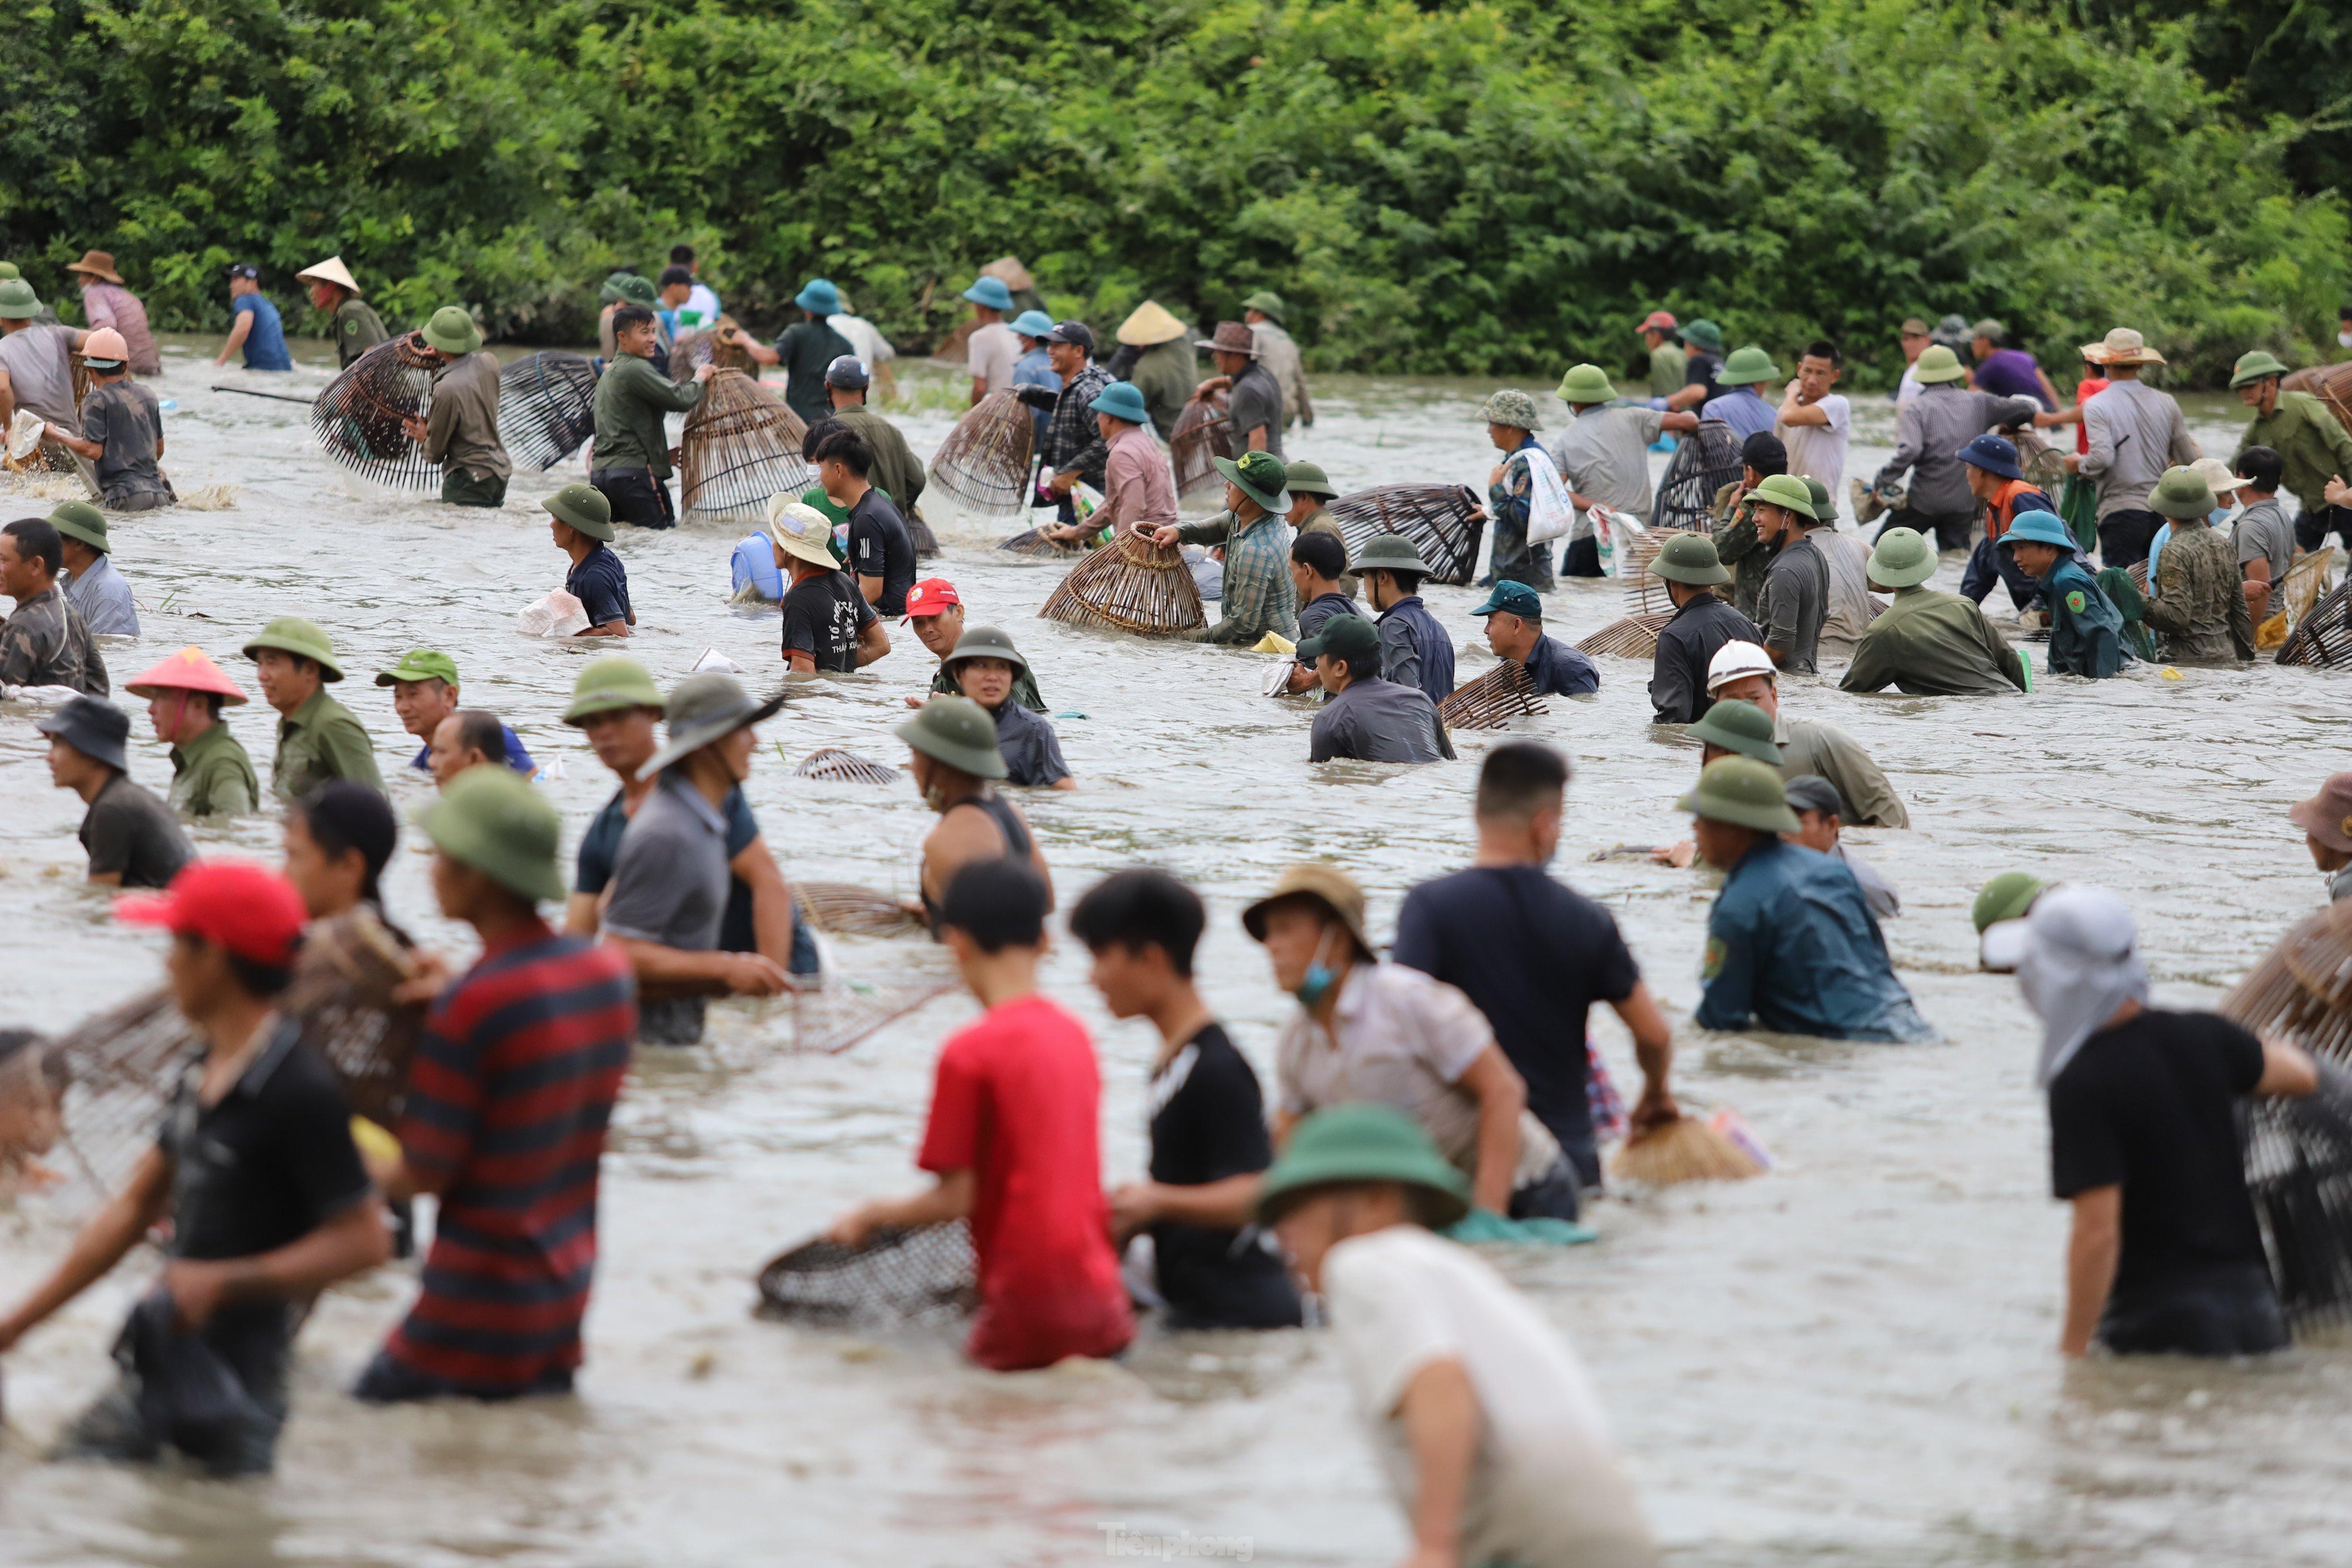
(509, 1098)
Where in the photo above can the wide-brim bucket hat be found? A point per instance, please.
(451, 330)
(1364, 1141)
(1690, 558)
(819, 297)
(585, 508)
(489, 819)
(2254, 366)
(703, 708)
(1743, 792)
(991, 292)
(95, 728)
(332, 271)
(1732, 725)
(1032, 324)
(1121, 400)
(2121, 345)
(1586, 384)
(1148, 326)
(1230, 337)
(1902, 559)
(97, 264)
(292, 634)
(2327, 815)
(186, 670)
(959, 733)
(1261, 476)
(2181, 493)
(1322, 883)
(2040, 527)
(1994, 455)
(800, 531)
(610, 684)
(1511, 407)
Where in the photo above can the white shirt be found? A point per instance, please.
(1546, 1488)
(703, 303)
(1909, 386)
(866, 339)
(1817, 451)
(1845, 615)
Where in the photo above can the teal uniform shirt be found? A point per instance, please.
(1791, 946)
(2086, 630)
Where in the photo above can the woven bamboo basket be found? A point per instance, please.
(1204, 431)
(714, 346)
(121, 1066)
(1685, 1150)
(919, 535)
(1445, 521)
(2298, 1167)
(343, 991)
(2322, 637)
(844, 909)
(547, 408)
(927, 1274)
(1490, 702)
(78, 371)
(2302, 990)
(2044, 465)
(1130, 585)
(1645, 591)
(1705, 460)
(1635, 636)
(984, 465)
(2331, 383)
(845, 767)
(357, 419)
(1029, 542)
(741, 445)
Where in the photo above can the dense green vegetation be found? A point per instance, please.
(1488, 187)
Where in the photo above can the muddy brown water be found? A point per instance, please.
(1850, 1361)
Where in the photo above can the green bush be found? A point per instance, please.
(1494, 188)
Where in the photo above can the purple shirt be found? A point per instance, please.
(2012, 373)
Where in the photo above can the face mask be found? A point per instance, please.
(935, 797)
(1318, 980)
(2345, 338)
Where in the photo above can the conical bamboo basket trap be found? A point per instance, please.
(741, 445)
(1645, 591)
(1204, 431)
(2331, 383)
(357, 419)
(1503, 693)
(844, 909)
(1705, 460)
(547, 408)
(845, 767)
(1635, 636)
(1130, 585)
(1684, 1150)
(1444, 521)
(983, 466)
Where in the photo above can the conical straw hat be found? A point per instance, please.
(331, 270)
(186, 670)
(1008, 270)
(1148, 325)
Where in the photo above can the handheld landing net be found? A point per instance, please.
(1205, 431)
(849, 1008)
(2323, 626)
(357, 419)
(1503, 693)
(741, 445)
(844, 909)
(547, 408)
(984, 465)
(924, 1275)
(122, 1066)
(1635, 636)
(1705, 460)
(713, 345)
(1443, 521)
(843, 767)
(1130, 585)
(2044, 465)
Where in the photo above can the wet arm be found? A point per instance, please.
(948, 1199)
(103, 1243)
(93, 450)
(760, 353)
(1439, 1411)
(2288, 1072)
(2093, 1250)
(1501, 1095)
(238, 330)
(873, 641)
(1654, 1048)
(580, 915)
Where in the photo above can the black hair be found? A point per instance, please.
(999, 904)
(1520, 778)
(1320, 553)
(36, 539)
(1821, 348)
(675, 274)
(55, 1075)
(341, 816)
(1359, 666)
(1764, 453)
(479, 729)
(847, 447)
(2262, 467)
(263, 980)
(1130, 908)
(681, 255)
(629, 318)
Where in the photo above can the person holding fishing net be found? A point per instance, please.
(2165, 1257)
(1514, 630)
(631, 460)
(121, 432)
(1139, 488)
(461, 432)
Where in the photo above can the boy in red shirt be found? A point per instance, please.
(1012, 1140)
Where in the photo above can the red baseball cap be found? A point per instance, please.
(931, 597)
(1664, 320)
(249, 910)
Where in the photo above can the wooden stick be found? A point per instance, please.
(273, 396)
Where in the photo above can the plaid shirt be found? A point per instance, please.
(1259, 596)
(1073, 440)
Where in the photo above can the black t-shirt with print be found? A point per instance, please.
(822, 615)
(1208, 1123)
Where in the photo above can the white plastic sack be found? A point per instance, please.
(560, 615)
(1551, 511)
(1613, 533)
(712, 660)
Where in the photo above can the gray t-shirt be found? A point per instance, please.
(1605, 455)
(1376, 721)
(2264, 534)
(40, 377)
(1256, 400)
(131, 833)
(670, 885)
(125, 419)
(1033, 754)
(1796, 598)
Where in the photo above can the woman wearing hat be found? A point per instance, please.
(2131, 434)
(2086, 630)
(804, 348)
(956, 764)
(461, 432)
(105, 302)
(2197, 598)
(1158, 362)
(984, 666)
(352, 321)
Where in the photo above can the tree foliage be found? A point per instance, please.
(1496, 186)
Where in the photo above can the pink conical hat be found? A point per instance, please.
(186, 670)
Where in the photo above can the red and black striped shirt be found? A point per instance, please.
(509, 1098)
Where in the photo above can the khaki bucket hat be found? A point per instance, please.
(292, 634)
(2121, 345)
(488, 818)
(1902, 558)
(332, 271)
(800, 531)
(1325, 884)
(956, 731)
(1744, 792)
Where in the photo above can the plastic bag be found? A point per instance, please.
(1613, 533)
(560, 615)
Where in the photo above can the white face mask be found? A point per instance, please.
(2345, 338)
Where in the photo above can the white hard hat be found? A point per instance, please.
(1736, 660)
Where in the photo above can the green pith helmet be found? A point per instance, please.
(2254, 365)
(1746, 367)
(1364, 1141)
(17, 300)
(79, 520)
(609, 684)
(490, 819)
(1702, 334)
(2008, 897)
(1267, 303)
(1690, 558)
(1744, 792)
(1389, 553)
(2181, 493)
(1732, 725)
(983, 642)
(1788, 492)
(1825, 504)
(957, 732)
(1512, 407)
(585, 508)
(452, 332)
(1902, 559)
(1585, 385)
(1309, 480)
(292, 634)
(1937, 364)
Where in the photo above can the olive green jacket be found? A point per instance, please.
(2303, 431)
(1166, 374)
(212, 776)
(321, 740)
(1738, 546)
(632, 400)
(2197, 600)
(1865, 798)
(357, 330)
(1930, 644)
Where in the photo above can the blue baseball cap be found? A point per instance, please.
(1511, 598)
(991, 292)
(1120, 400)
(1994, 455)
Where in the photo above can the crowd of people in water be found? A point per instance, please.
(1439, 1093)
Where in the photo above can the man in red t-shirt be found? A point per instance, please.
(1012, 1140)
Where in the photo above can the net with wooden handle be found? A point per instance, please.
(1635, 636)
(547, 408)
(1203, 432)
(982, 467)
(922, 1274)
(1130, 585)
(848, 1008)
(844, 909)
(741, 445)
(1445, 522)
(1705, 460)
(357, 419)
(1503, 693)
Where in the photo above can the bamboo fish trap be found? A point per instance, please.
(1705, 460)
(1445, 521)
(2044, 465)
(547, 408)
(2332, 383)
(1490, 702)
(844, 909)
(343, 991)
(843, 767)
(1130, 585)
(741, 445)
(2323, 637)
(357, 419)
(927, 1274)
(1645, 591)
(1030, 542)
(1635, 636)
(121, 1066)
(714, 345)
(919, 535)
(984, 465)
(1203, 432)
